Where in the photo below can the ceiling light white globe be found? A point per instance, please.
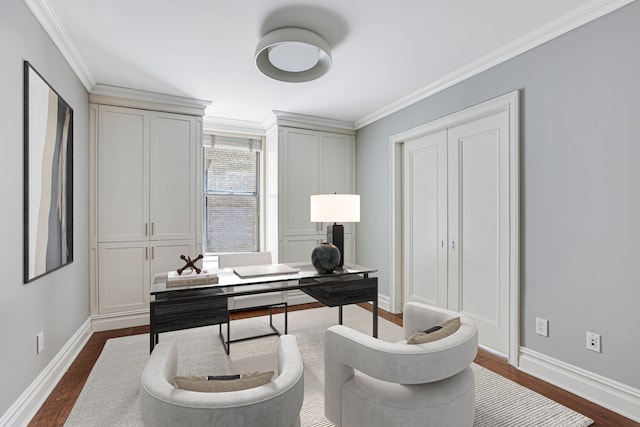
(294, 57)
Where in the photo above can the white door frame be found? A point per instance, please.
(510, 103)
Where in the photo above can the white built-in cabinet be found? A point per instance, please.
(146, 163)
(145, 204)
(127, 268)
(311, 161)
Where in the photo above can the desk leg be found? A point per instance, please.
(375, 318)
(375, 313)
(153, 337)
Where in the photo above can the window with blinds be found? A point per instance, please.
(231, 193)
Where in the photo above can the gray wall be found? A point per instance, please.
(57, 303)
(580, 187)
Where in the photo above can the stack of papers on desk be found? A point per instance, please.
(264, 270)
(191, 278)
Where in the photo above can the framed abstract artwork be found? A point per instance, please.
(48, 177)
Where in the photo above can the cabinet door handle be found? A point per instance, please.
(146, 228)
(153, 252)
(152, 228)
(453, 244)
(146, 253)
(442, 243)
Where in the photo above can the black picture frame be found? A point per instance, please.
(48, 177)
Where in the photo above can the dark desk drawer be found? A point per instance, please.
(176, 314)
(347, 290)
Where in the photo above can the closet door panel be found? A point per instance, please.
(478, 151)
(337, 174)
(299, 248)
(123, 174)
(425, 219)
(300, 163)
(165, 256)
(123, 277)
(172, 187)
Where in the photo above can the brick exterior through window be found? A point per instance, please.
(231, 199)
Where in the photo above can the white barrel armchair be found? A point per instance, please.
(369, 382)
(275, 404)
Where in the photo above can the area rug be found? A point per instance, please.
(110, 396)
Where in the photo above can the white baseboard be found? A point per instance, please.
(384, 302)
(107, 322)
(28, 404)
(603, 391)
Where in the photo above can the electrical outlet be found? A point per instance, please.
(542, 327)
(593, 342)
(40, 342)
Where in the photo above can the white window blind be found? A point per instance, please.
(231, 193)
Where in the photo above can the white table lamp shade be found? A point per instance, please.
(335, 208)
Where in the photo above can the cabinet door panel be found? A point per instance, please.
(337, 171)
(172, 186)
(298, 248)
(165, 256)
(349, 249)
(337, 160)
(300, 164)
(123, 174)
(124, 277)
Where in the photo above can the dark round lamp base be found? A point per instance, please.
(325, 258)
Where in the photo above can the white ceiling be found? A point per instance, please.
(385, 54)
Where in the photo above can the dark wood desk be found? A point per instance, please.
(185, 307)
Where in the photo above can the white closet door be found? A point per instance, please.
(172, 186)
(479, 226)
(299, 248)
(124, 276)
(123, 178)
(425, 219)
(336, 175)
(300, 164)
(165, 256)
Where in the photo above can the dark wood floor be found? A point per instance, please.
(57, 407)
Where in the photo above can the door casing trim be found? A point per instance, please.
(508, 102)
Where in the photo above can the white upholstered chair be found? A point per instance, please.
(275, 404)
(369, 382)
(247, 302)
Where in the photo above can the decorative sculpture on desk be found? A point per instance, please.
(190, 264)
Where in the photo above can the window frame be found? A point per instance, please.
(260, 186)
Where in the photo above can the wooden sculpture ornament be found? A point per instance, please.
(190, 264)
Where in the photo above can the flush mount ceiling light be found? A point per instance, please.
(293, 55)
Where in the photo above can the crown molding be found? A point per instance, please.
(232, 126)
(303, 121)
(44, 13)
(578, 17)
(134, 98)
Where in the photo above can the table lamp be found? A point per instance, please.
(335, 208)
